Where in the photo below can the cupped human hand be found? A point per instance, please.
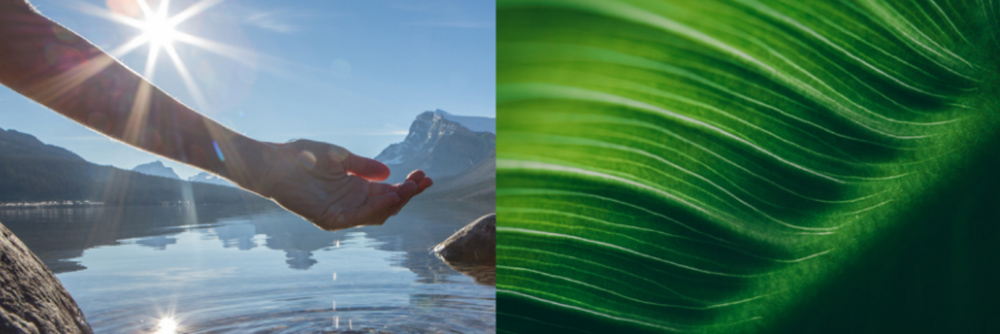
(333, 188)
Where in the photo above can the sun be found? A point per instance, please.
(158, 29)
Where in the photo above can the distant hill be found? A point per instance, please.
(14, 144)
(31, 171)
(461, 161)
(156, 168)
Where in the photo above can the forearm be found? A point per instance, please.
(64, 72)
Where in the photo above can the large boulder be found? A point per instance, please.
(476, 242)
(473, 250)
(32, 300)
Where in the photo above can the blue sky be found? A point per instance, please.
(350, 72)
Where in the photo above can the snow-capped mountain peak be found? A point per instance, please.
(439, 146)
(204, 177)
(473, 123)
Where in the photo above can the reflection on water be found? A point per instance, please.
(166, 326)
(223, 269)
(482, 273)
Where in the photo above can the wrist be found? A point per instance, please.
(251, 163)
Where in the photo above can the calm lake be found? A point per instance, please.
(233, 269)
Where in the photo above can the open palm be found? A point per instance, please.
(334, 188)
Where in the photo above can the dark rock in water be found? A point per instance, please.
(476, 242)
(472, 250)
(32, 300)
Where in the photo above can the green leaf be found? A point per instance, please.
(748, 166)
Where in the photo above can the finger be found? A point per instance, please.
(424, 184)
(374, 212)
(416, 176)
(369, 169)
(407, 190)
(420, 179)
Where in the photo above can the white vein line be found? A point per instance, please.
(662, 93)
(784, 18)
(633, 299)
(951, 9)
(553, 90)
(874, 90)
(837, 105)
(643, 166)
(720, 174)
(532, 165)
(904, 38)
(892, 11)
(621, 249)
(804, 258)
(603, 198)
(612, 56)
(613, 235)
(605, 222)
(594, 143)
(887, 14)
(635, 14)
(625, 121)
(844, 30)
(868, 208)
(726, 246)
(576, 267)
(631, 13)
(577, 308)
(950, 23)
(748, 171)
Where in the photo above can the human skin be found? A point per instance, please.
(324, 183)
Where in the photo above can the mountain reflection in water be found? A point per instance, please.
(216, 270)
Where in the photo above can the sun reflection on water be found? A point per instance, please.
(166, 326)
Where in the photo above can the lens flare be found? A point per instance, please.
(158, 30)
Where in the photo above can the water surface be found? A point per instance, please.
(236, 269)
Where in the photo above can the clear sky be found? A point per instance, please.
(349, 72)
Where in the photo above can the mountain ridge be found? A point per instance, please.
(438, 146)
(205, 177)
(32, 171)
(462, 162)
(156, 168)
(473, 123)
(14, 143)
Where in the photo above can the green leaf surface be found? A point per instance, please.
(748, 166)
